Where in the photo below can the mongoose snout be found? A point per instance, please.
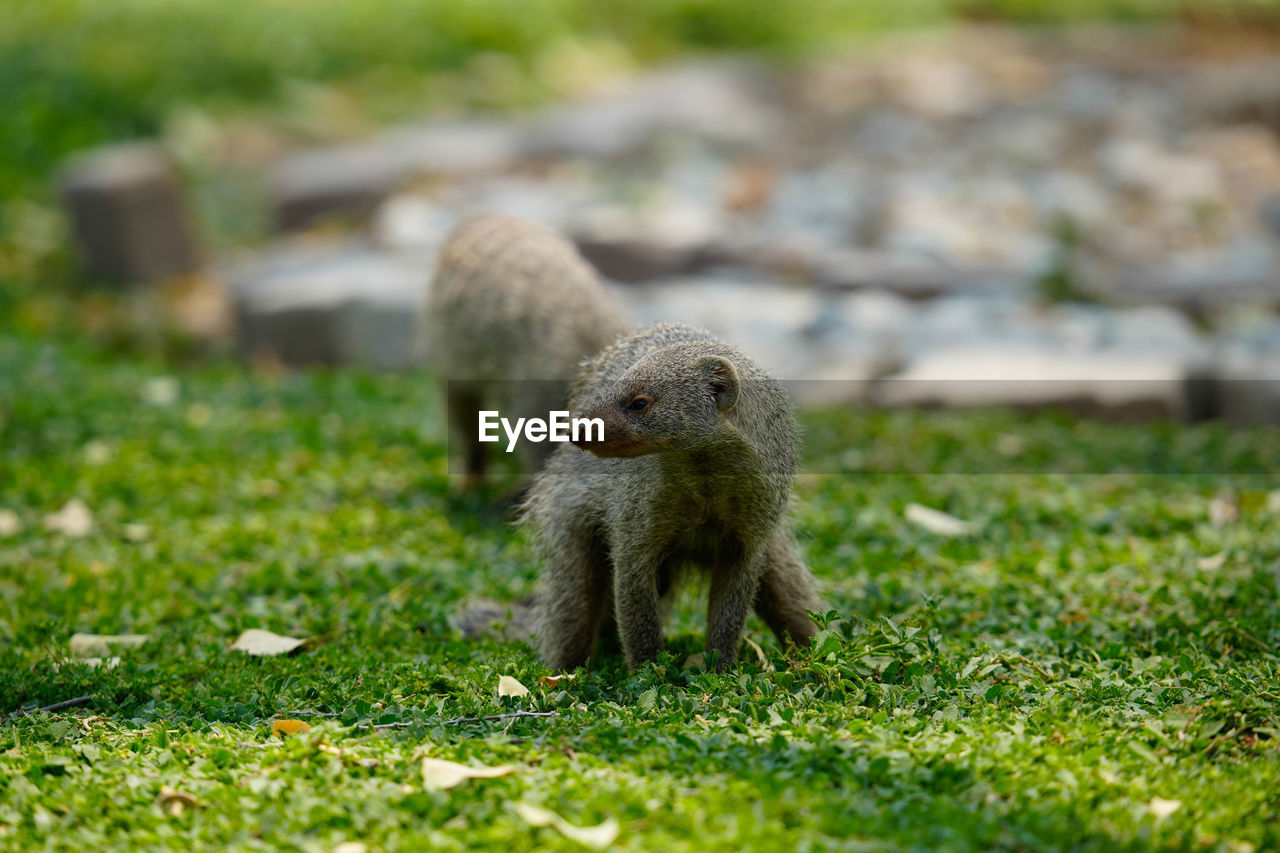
(620, 437)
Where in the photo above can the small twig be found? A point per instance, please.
(56, 706)
(460, 720)
(312, 714)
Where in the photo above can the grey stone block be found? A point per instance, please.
(332, 307)
(1120, 383)
(127, 214)
(709, 101)
(350, 181)
(345, 182)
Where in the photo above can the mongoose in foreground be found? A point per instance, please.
(694, 471)
(512, 311)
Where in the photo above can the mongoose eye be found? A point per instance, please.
(639, 403)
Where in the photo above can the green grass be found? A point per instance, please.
(1098, 647)
(77, 73)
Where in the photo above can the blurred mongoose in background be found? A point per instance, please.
(694, 472)
(512, 311)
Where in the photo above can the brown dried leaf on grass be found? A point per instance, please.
(101, 645)
(508, 686)
(441, 775)
(937, 521)
(175, 802)
(261, 643)
(74, 519)
(596, 837)
(289, 727)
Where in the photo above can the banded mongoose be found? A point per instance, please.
(512, 311)
(694, 471)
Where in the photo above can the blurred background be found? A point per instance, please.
(1077, 200)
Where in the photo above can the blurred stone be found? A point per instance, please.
(935, 87)
(631, 259)
(128, 215)
(331, 307)
(1140, 164)
(1247, 157)
(1112, 382)
(779, 327)
(1246, 90)
(825, 204)
(413, 224)
(710, 101)
(1248, 271)
(669, 237)
(453, 148)
(911, 276)
(1088, 94)
(346, 182)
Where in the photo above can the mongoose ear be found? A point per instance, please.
(722, 376)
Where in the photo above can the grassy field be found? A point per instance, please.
(1096, 669)
(77, 73)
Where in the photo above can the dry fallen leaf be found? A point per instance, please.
(1223, 510)
(764, 661)
(289, 727)
(255, 641)
(10, 523)
(597, 837)
(1161, 809)
(1213, 563)
(697, 660)
(441, 775)
(175, 802)
(74, 519)
(508, 686)
(553, 680)
(97, 452)
(161, 390)
(351, 847)
(100, 645)
(936, 521)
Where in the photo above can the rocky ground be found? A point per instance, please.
(1100, 209)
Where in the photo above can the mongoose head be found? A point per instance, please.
(673, 399)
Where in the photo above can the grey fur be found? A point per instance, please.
(700, 479)
(512, 311)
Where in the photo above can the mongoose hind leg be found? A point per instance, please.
(574, 603)
(464, 404)
(787, 593)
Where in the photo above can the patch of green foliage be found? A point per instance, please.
(1099, 650)
(77, 73)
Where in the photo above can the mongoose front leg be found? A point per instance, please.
(787, 592)
(637, 610)
(573, 602)
(733, 589)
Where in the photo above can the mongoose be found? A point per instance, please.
(512, 311)
(694, 471)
